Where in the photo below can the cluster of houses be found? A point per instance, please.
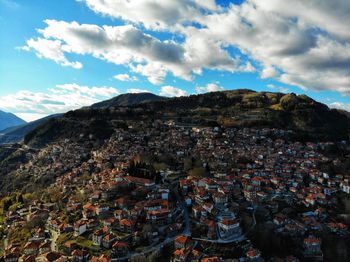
(106, 213)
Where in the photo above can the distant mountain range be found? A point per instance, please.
(9, 120)
(16, 134)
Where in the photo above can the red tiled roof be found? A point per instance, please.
(119, 244)
(127, 222)
(312, 240)
(253, 253)
(182, 239)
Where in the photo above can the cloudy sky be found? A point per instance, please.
(61, 55)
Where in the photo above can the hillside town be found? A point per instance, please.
(175, 192)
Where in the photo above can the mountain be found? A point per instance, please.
(17, 133)
(9, 120)
(309, 119)
(128, 100)
(80, 134)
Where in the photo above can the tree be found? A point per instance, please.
(20, 198)
(7, 203)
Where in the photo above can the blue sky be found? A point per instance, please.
(36, 81)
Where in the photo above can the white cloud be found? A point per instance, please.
(125, 78)
(269, 72)
(333, 16)
(308, 52)
(172, 91)
(60, 99)
(275, 88)
(340, 105)
(129, 46)
(302, 43)
(50, 49)
(211, 87)
(153, 14)
(136, 90)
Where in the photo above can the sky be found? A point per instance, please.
(56, 56)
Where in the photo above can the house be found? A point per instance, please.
(89, 210)
(69, 247)
(310, 199)
(253, 255)
(80, 255)
(29, 258)
(140, 181)
(159, 217)
(108, 240)
(50, 257)
(122, 203)
(110, 222)
(197, 211)
(31, 248)
(120, 249)
(80, 227)
(102, 258)
(39, 234)
(211, 229)
(101, 209)
(182, 242)
(45, 247)
(11, 257)
(181, 255)
(279, 219)
(312, 247)
(97, 237)
(127, 225)
(228, 228)
(220, 199)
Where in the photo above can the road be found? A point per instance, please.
(222, 241)
(187, 230)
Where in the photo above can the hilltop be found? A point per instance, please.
(238, 108)
(128, 100)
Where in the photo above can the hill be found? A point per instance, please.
(309, 119)
(9, 120)
(17, 133)
(128, 100)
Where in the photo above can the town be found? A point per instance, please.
(174, 192)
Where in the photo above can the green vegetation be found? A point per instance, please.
(198, 172)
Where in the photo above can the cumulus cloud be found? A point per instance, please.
(269, 72)
(295, 49)
(172, 91)
(129, 46)
(297, 42)
(211, 87)
(125, 78)
(60, 99)
(340, 105)
(275, 88)
(153, 14)
(136, 90)
(50, 49)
